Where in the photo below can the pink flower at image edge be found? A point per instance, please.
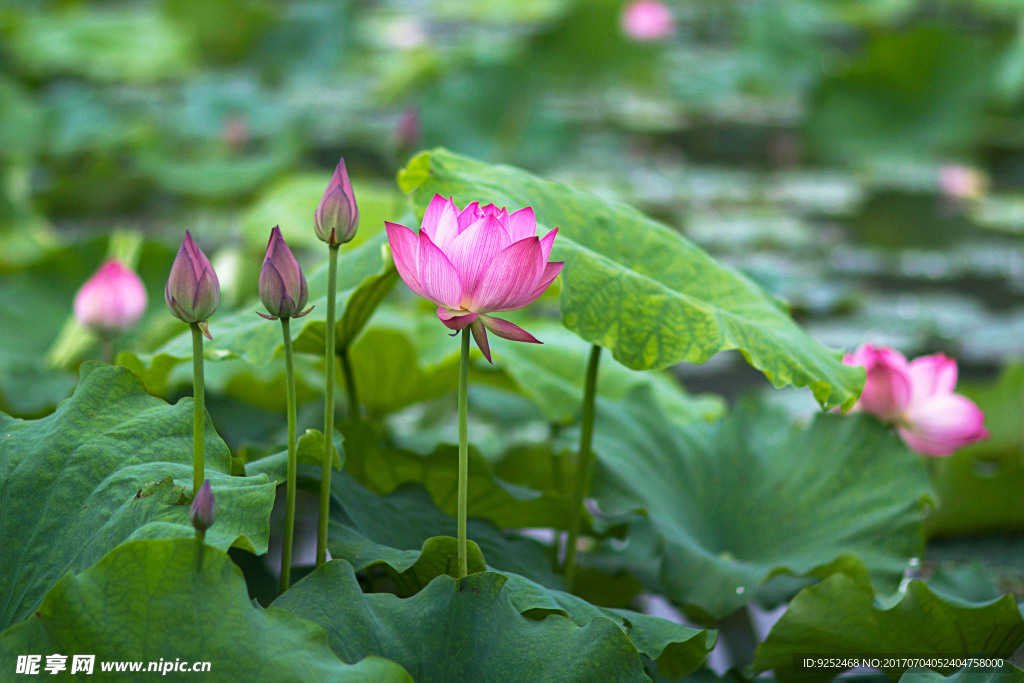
(918, 398)
(475, 262)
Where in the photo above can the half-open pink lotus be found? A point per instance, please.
(475, 262)
(918, 398)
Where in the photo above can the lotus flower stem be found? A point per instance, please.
(329, 354)
(199, 409)
(350, 384)
(463, 452)
(289, 514)
(108, 349)
(584, 466)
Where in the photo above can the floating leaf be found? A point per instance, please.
(641, 290)
(179, 600)
(101, 470)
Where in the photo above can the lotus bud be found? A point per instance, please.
(337, 216)
(192, 291)
(283, 287)
(204, 508)
(112, 300)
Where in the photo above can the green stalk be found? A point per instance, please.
(463, 452)
(199, 409)
(584, 466)
(325, 472)
(350, 384)
(108, 349)
(289, 515)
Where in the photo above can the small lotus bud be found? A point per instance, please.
(204, 508)
(282, 285)
(193, 291)
(337, 216)
(647, 20)
(112, 300)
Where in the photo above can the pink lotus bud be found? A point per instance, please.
(193, 291)
(918, 398)
(282, 285)
(203, 512)
(112, 300)
(474, 262)
(647, 20)
(337, 216)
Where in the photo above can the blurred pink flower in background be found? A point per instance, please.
(962, 182)
(475, 262)
(112, 300)
(647, 20)
(918, 398)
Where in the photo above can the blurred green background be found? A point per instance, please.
(863, 160)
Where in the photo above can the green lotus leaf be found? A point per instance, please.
(111, 464)
(180, 600)
(748, 498)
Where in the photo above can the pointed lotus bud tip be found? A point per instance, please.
(337, 216)
(283, 288)
(193, 290)
(112, 300)
(204, 508)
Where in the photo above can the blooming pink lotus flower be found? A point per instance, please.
(475, 262)
(647, 21)
(112, 300)
(918, 398)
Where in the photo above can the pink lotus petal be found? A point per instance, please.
(432, 216)
(511, 275)
(436, 273)
(546, 243)
(473, 250)
(455, 320)
(405, 252)
(507, 330)
(471, 214)
(931, 376)
(551, 271)
(480, 337)
(943, 424)
(447, 226)
(887, 387)
(522, 224)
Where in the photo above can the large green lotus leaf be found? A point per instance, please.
(978, 488)
(751, 497)
(110, 464)
(180, 600)
(244, 335)
(406, 532)
(841, 615)
(460, 630)
(634, 286)
(1007, 673)
(383, 469)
